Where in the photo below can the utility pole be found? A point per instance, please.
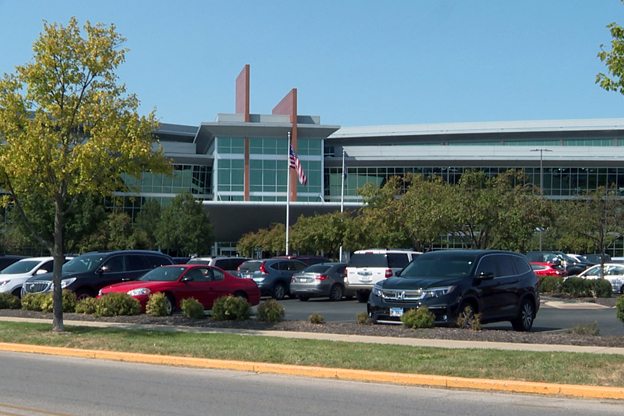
(541, 150)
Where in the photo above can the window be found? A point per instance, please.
(114, 264)
(487, 267)
(135, 262)
(397, 260)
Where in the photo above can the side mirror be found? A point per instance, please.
(103, 269)
(187, 279)
(41, 271)
(486, 275)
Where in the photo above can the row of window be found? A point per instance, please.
(233, 145)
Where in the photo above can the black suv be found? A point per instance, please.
(89, 272)
(498, 285)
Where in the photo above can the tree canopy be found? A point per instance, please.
(68, 127)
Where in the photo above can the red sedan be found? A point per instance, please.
(182, 281)
(548, 269)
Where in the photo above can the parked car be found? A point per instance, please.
(204, 283)
(228, 263)
(367, 267)
(13, 277)
(613, 272)
(89, 272)
(548, 269)
(309, 260)
(271, 275)
(8, 259)
(497, 285)
(320, 280)
(570, 264)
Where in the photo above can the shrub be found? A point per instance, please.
(576, 287)
(117, 303)
(192, 308)
(231, 308)
(316, 318)
(8, 301)
(468, 320)
(87, 306)
(619, 307)
(418, 318)
(585, 329)
(270, 311)
(157, 304)
(600, 288)
(69, 301)
(362, 319)
(32, 301)
(551, 284)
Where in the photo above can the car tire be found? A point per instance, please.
(170, 303)
(17, 292)
(278, 292)
(362, 296)
(336, 292)
(622, 290)
(303, 298)
(241, 295)
(83, 294)
(524, 321)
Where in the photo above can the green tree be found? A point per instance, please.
(185, 227)
(319, 234)
(147, 220)
(69, 128)
(614, 60)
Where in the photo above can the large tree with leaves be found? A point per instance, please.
(68, 127)
(614, 60)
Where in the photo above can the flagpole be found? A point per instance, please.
(342, 194)
(287, 192)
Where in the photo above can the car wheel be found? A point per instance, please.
(466, 316)
(241, 295)
(524, 321)
(17, 292)
(303, 298)
(362, 296)
(279, 291)
(169, 303)
(335, 293)
(83, 294)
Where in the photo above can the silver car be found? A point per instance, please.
(320, 280)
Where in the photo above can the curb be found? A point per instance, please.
(509, 386)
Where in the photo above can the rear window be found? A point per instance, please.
(368, 260)
(317, 268)
(252, 266)
(397, 260)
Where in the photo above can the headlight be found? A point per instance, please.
(6, 282)
(377, 290)
(67, 282)
(140, 291)
(435, 292)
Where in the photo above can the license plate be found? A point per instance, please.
(397, 312)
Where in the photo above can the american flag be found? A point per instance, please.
(293, 162)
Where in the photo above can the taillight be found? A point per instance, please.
(321, 277)
(346, 273)
(262, 269)
(388, 273)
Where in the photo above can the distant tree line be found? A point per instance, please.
(480, 212)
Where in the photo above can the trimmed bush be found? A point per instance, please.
(157, 304)
(87, 306)
(362, 319)
(32, 301)
(316, 318)
(418, 318)
(587, 288)
(619, 307)
(231, 308)
(270, 311)
(192, 308)
(8, 301)
(117, 303)
(69, 301)
(551, 284)
(600, 288)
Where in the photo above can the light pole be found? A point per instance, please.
(541, 150)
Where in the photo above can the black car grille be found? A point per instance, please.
(37, 287)
(402, 295)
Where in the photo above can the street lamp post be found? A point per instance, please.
(541, 150)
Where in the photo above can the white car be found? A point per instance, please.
(13, 277)
(613, 272)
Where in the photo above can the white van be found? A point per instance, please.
(367, 267)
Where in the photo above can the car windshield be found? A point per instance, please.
(163, 274)
(440, 265)
(84, 263)
(20, 267)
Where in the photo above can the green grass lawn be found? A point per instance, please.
(551, 367)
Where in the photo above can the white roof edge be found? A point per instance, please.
(480, 127)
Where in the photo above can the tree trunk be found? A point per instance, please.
(59, 259)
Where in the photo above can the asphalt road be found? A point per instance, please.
(63, 386)
(548, 318)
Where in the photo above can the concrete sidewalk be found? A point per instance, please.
(369, 376)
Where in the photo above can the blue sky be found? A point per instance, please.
(353, 62)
